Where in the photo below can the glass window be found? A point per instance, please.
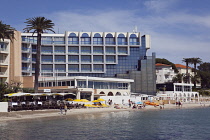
(86, 68)
(59, 40)
(46, 40)
(60, 49)
(73, 50)
(122, 50)
(60, 58)
(60, 68)
(98, 50)
(121, 39)
(133, 40)
(46, 68)
(97, 39)
(47, 49)
(110, 50)
(98, 59)
(47, 58)
(85, 39)
(109, 40)
(73, 39)
(73, 67)
(73, 58)
(98, 68)
(85, 59)
(85, 50)
(110, 59)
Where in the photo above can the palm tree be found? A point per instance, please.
(195, 79)
(38, 25)
(195, 61)
(6, 31)
(187, 61)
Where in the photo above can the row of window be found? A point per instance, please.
(84, 40)
(76, 50)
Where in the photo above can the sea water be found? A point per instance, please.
(178, 124)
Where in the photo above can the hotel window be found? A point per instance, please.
(47, 59)
(47, 68)
(121, 39)
(85, 50)
(73, 58)
(60, 68)
(133, 40)
(85, 39)
(86, 68)
(73, 50)
(59, 40)
(46, 40)
(73, 39)
(98, 59)
(85, 59)
(60, 49)
(47, 49)
(60, 58)
(110, 50)
(98, 50)
(97, 39)
(110, 59)
(74, 68)
(122, 50)
(109, 39)
(98, 68)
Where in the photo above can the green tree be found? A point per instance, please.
(165, 61)
(204, 73)
(38, 25)
(195, 78)
(6, 31)
(178, 78)
(187, 61)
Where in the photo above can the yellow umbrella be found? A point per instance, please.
(77, 100)
(69, 99)
(96, 101)
(84, 100)
(100, 99)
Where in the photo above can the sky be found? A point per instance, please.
(178, 28)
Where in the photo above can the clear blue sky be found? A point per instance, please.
(178, 28)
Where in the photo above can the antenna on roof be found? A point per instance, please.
(135, 30)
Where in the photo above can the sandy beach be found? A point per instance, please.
(53, 113)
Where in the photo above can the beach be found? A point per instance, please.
(55, 113)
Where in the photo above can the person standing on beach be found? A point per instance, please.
(61, 108)
(65, 108)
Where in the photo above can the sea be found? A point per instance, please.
(175, 124)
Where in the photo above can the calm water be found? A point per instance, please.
(179, 124)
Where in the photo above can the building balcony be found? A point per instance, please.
(3, 74)
(4, 50)
(4, 62)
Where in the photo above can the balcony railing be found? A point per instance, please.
(73, 42)
(3, 73)
(134, 43)
(97, 42)
(109, 43)
(122, 43)
(85, 42)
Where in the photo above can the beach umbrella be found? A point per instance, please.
(69, 99)
(84, 100)
(95, 101)
(77, 100)
(100, 99)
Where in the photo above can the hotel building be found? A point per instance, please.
(87, 54)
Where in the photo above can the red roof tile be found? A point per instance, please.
(181, 66)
